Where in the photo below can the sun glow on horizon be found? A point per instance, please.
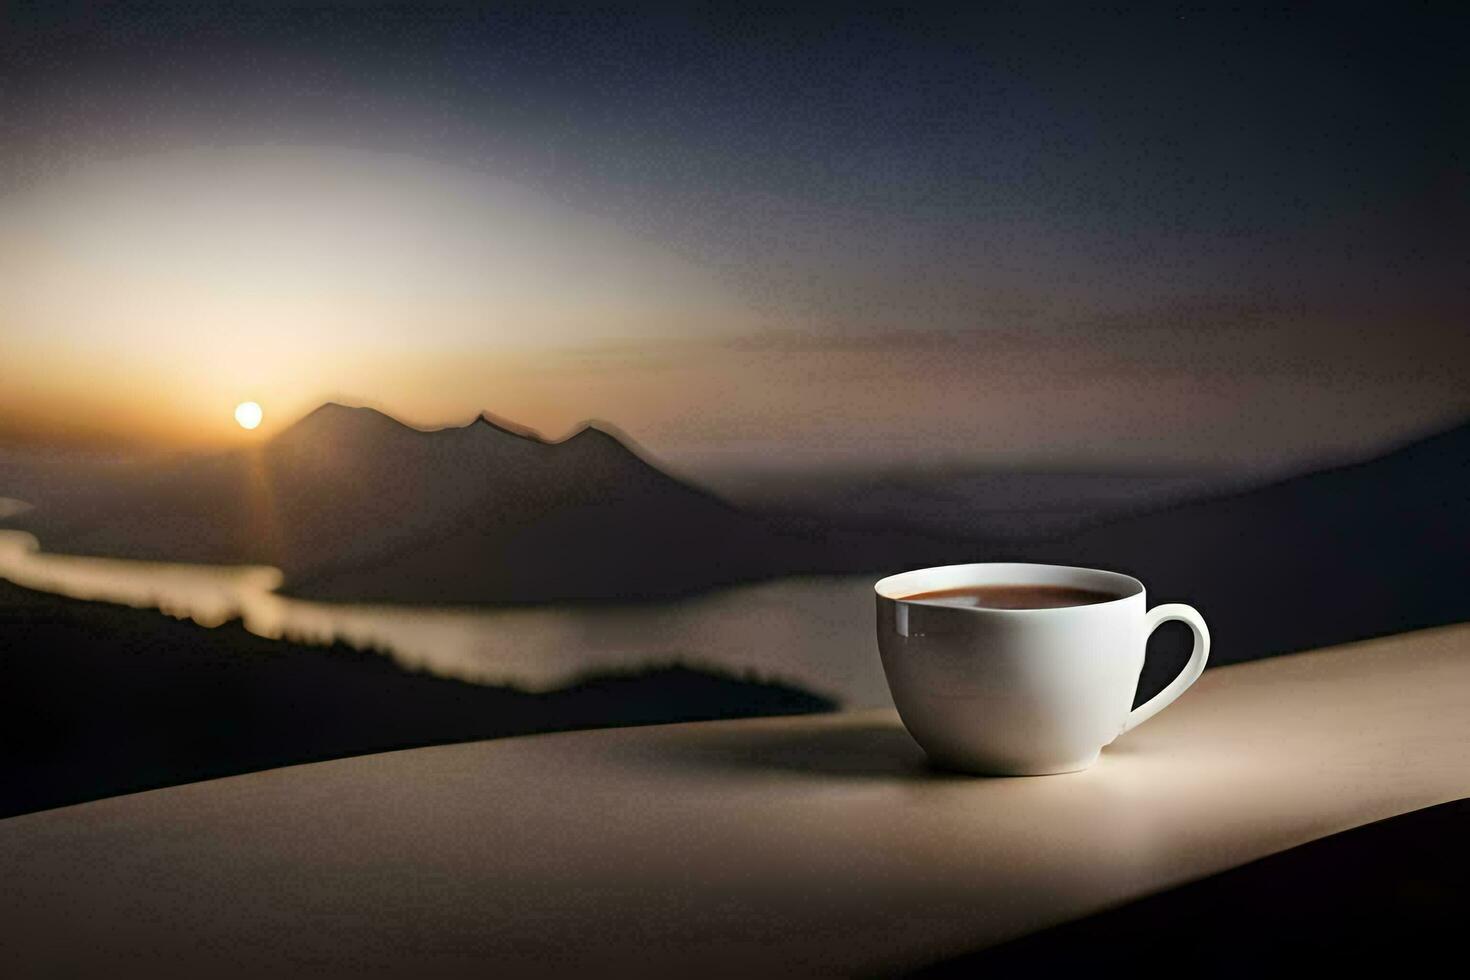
(248, 414)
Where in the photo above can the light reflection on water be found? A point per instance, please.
(813, 632)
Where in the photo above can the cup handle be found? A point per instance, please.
(1191, 671)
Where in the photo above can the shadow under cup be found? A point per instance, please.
(1019, 691)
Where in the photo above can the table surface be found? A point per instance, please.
(815, 844)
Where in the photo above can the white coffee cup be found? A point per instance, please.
(1021, 692)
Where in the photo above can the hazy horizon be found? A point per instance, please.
(745, 470)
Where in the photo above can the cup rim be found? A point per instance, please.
(885, 587)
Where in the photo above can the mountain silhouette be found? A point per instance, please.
(353, 504)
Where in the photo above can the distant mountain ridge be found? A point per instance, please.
(351, 503)
(355, 506)
(1345, 553)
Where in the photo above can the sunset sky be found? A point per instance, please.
(1161, 236)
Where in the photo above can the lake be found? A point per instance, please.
(814, 632)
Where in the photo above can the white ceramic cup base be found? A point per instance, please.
(1022, 692)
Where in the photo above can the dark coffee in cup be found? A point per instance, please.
(1014, 596)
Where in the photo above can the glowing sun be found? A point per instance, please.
(248, 414)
